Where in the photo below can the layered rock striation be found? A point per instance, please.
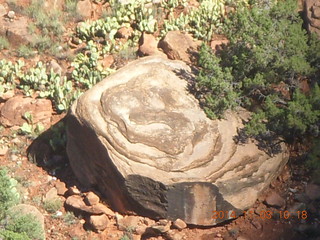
(141, 138)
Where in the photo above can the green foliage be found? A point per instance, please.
(313, 160)
(268, 50)
(47, 21)
(9, 72)
(36, 79)
(267, 42)
(88, 70)
(24, 225)
(4, 43)
(257, 124)
(10, 235)
(201, 21)
(25, 51)
(69, 218)
(217, 84)
(29, 128)
(71, 8)
(52, 205)
(9, 195)
(63, 93)
(47, 28)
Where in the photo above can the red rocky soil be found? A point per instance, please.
(294, 192)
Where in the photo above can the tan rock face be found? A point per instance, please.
(142, 138)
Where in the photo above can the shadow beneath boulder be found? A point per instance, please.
(48, 151)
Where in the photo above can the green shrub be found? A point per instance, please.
(217, 84)
(24, 224)
(69, 218)
(4, 43)
(25, 51)
(268, 50)
(52, 205)
(9, 195)
(10, 235)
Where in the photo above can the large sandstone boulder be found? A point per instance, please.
(142, 139)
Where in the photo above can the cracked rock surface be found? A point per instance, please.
(141, 138)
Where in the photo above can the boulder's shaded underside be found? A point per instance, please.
(142, 139)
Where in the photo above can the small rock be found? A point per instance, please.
(75, 41)
(124, 32)
(148, 45)
(84, 9)
(12, 112)
(3, 150)
(316, 12)
(180, 46)
(128, 222)
(16, 31)
(52, 194)
(148, 221)
(99, 222)
(14, 157)
(3, 10)
(179, 224)
(118, 217)
(101, 208)
(274, 200)
(162, 226)
(61, 188)
(91, 199)
(313, 191)
(163, 222)
(75, 201)
(293, 190)
(7, 95)
(11, 14)
(140, 229)
(73, 191)
(54, 66)
(256, 224)
(49, 178)
(59, 213)
(173, 235)
(107, 61)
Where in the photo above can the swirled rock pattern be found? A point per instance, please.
(142, 139)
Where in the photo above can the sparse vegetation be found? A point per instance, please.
(69, 218)
(24, 225)
(4, 43)
(29, 128)
(261, 69)
(15, 225)
(9, 195)
(52, 205)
